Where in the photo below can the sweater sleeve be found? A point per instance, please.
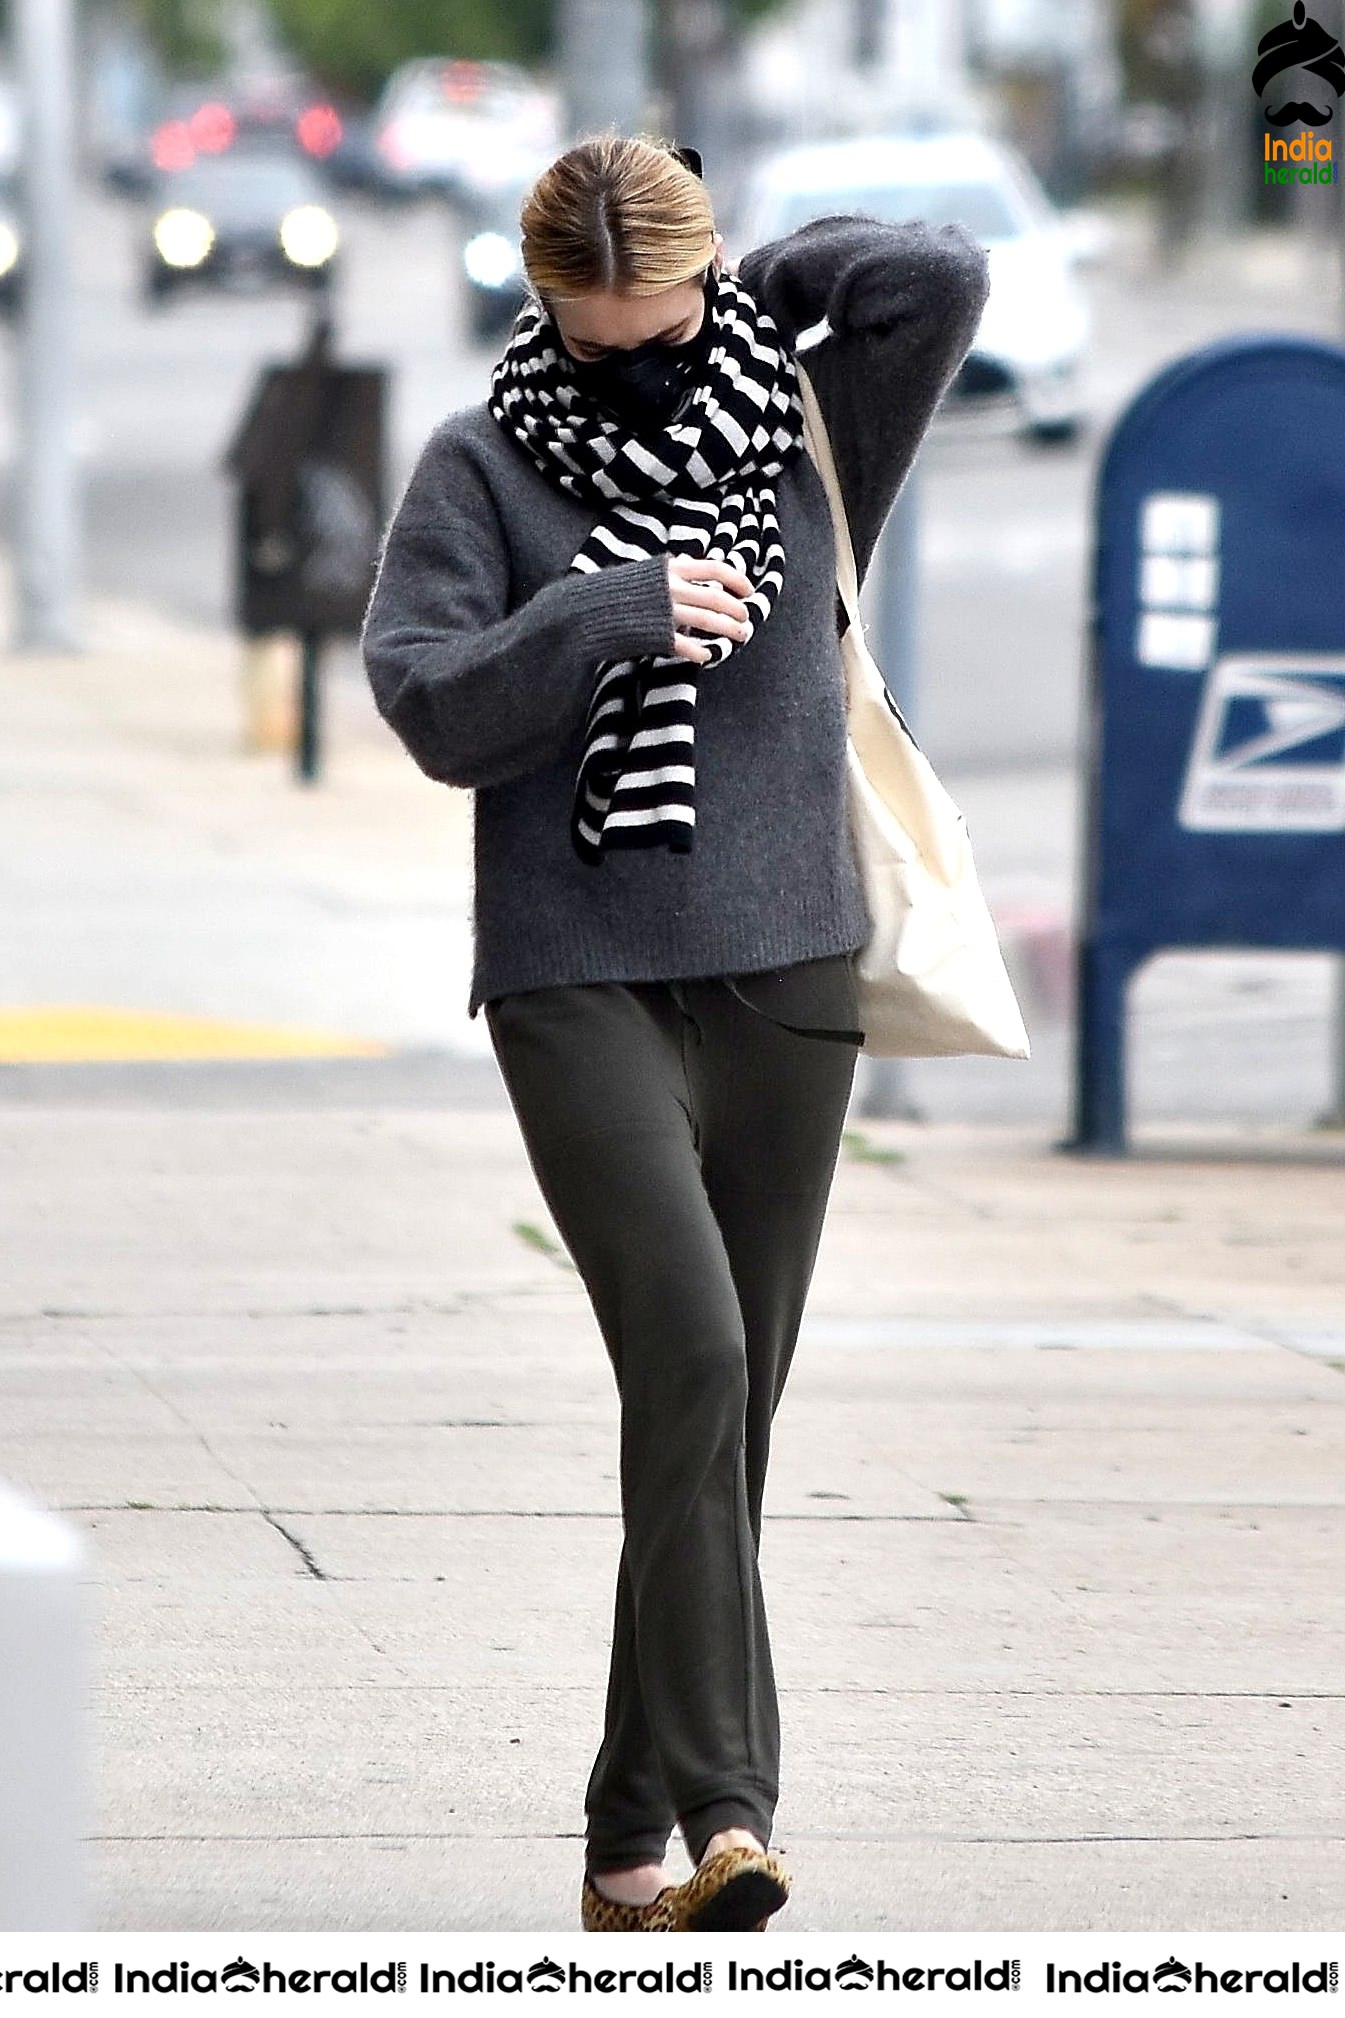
(480, 694)
(902, 303)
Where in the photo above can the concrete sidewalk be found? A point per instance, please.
(148, 860)
(1052, 1548)
(1056, 1514)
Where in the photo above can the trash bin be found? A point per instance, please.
(308, 459)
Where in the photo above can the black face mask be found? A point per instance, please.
(645, 386)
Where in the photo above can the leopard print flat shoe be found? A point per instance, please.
(600, 1915)
(735, 1891)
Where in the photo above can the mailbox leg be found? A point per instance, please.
(1334, 1116)
(1099, 1082)
(310, 708)
(270, 693)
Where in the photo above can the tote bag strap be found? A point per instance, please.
(816, 441)
(819, 448)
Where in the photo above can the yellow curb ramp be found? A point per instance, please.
(84, 1034)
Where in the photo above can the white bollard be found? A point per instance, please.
(42, 1680)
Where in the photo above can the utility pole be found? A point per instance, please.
(696, 74)
(925, 65)
(48, 524)
(866, 31)
(604, 65)
(1334, 1116)
(926, 83)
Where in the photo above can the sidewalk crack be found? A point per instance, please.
(304, 1554)
(138, 1374)
(315, 1570)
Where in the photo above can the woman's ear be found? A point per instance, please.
(722, 264)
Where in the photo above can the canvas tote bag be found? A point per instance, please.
(932, 980)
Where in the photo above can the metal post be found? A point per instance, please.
(309, 750)
(1334, 1116)
(48, 531)
(1100, 1053)
(884, 1093)
(603, 65)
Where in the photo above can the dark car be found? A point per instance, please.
(492, 262)
(11, 227)
(11, 249)
(238, 220)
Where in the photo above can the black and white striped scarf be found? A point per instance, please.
(703, 484)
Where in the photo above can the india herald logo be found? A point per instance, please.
(1299, 44)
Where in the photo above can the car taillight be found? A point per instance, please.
(462, 81)
(319, 130)
(212, 128)
(171, 145)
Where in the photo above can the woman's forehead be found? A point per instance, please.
(623, 320)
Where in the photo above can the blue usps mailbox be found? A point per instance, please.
(1216, 802)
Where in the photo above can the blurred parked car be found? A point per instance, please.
(462, 129)
(11, 129)
(1029, 348)
(11, 249)
(11, 229)
(353, 162)
(195, 122)
(492, 261)
(242, 219)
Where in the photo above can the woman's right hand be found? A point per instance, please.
(707, 595)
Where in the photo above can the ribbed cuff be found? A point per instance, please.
(646, 1849)
(627, 610)
(731, 1811)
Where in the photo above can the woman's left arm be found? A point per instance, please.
(902, 303)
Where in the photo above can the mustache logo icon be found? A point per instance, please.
(1300, 43)
(1307, 115)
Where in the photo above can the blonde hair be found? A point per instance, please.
(616, 213)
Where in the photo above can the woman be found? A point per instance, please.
(607, 604)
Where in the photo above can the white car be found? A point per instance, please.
(462, 128)
(1029, 347)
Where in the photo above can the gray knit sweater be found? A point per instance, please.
(481, 647)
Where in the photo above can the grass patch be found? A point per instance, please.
(959, 1502)
(859, 1149)
(541, 1243)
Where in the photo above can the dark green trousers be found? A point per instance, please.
(685, 1145)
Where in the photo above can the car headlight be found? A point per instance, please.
(308, 235)
(490, 259)
(183, 237)
(9, 249)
